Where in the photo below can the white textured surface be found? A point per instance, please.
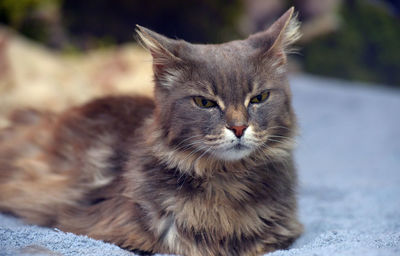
(349, 168)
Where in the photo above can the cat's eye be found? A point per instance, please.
(203, 102)
(260, 97)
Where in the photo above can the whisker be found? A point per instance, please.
(278, 141)
(204, 153)
(212, 136)
(191, 137)
(272, 128)
(194, 152)
(214, 142)
(188, 146)
(283, 137)
(279, 126)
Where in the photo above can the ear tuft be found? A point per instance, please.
(280, 36)
(166, 63)
(273, 45)
(291, 34)
(144, 39)
(159, 46)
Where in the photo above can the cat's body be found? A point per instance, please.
(205, 168)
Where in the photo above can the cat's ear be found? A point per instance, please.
(278, 39)
(165, 51)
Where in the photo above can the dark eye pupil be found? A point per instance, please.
(204, 102)
(259, 97)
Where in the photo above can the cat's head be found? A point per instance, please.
(225, 101)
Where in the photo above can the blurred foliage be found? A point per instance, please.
(15, 11)
(96, 23)
(24, 16)
(367, 47)
(195, 21)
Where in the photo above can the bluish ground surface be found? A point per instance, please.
(349, 166)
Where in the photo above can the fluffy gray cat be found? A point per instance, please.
(205, 168)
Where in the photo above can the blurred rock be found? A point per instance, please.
(319, 17)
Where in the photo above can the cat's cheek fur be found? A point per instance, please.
(189, 120)
(260, 115)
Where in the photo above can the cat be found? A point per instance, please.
(203, 168)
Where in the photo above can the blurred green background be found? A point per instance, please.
(350, 39)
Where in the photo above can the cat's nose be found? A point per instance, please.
(238, 130)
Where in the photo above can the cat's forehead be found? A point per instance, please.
(228, 70)
(231, 54)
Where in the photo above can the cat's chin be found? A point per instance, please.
(234, 153)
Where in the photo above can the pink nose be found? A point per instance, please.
(238, 130)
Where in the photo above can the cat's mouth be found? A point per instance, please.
(239, 146)
(234, 152)
(232, 148)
